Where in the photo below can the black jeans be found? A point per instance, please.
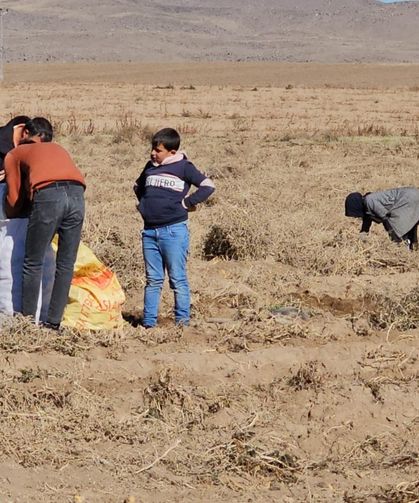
(56, 209)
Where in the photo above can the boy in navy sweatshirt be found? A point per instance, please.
(162, 191)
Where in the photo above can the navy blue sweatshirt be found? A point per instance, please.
(161, 189)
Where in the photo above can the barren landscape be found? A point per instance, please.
(297, 380)
(221, 30)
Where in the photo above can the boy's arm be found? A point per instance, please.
(205, 187)
(139, 186)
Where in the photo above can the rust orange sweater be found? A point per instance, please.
(33, 166)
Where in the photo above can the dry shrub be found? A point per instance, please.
(19, 334)
(161, 393)
(29, 374)
(172, 402)
(308, 376)
(405, 492)
(388, 367)
(387, 450)
(168, 400)
(161, 335)
(402, 313)
(353, 130)
(292, 133)
(341, 253)
(184, 129)
(74, 126)
(218, 243)
(236, 297)
(224, 171)
(127, 129)
(55, 423)
(244, 457)
(241, 233)
(168, 86)
(369, 129)
(373, 130)
(375, 389)
(203, 114)
(258, 327)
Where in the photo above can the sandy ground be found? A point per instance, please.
(378, 76)
(248, 403)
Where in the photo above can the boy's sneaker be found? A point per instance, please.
(182, 323)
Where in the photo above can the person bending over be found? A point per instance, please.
(10, 136)
(43, 173)
(397, 209)
(162, 191)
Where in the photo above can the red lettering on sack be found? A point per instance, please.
(100, 278)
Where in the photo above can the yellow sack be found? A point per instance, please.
(96, 297)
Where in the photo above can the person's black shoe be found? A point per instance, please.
(50, 326)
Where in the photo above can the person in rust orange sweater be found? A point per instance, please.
(42, 173)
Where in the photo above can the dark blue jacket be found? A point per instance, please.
(161, 189)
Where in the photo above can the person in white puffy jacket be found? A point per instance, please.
(13, 237)
(10, 136)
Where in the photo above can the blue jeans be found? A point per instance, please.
(166, 249)
(56, 209)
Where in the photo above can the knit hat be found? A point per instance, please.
(354, 205)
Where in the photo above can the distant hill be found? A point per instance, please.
(224, 30)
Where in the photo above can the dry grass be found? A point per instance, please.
(404, 492)
(402, 313)
(242, 457)
(306, 377)
(18, 334)
(244, 403)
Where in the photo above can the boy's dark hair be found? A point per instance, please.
(6, 135)
(168, 137)
(19, 119)
(39, 126)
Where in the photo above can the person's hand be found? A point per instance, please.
(2, 175)
(363, 236)
(188, 208)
